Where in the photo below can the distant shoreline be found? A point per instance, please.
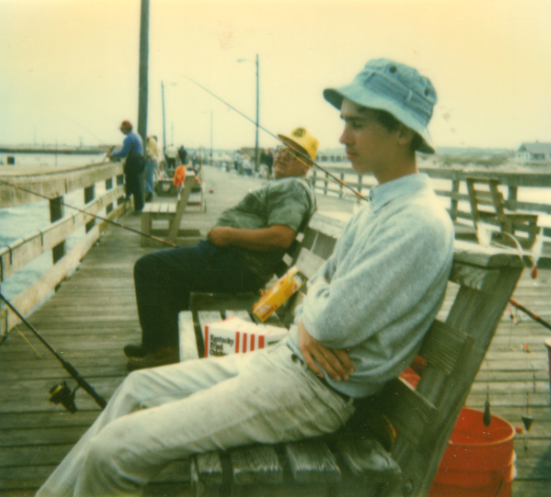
(49, 150)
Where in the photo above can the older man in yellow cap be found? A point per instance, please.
(239, 255)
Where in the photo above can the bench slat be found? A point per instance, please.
(407, 410)
(256, 464)
(308, 263)
(474, 277)
(187, 339)
(208, 468)
(222, 301)
(311, 461)
(442, 346)
(367, 458)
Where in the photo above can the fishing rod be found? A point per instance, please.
(95, 216)
(534, 316)
(61, 393)
(303, 157)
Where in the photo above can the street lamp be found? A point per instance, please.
(256, 155)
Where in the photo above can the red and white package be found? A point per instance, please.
(234, 335)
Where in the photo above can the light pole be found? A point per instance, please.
(257, 123)
(164, 118)
(211, 136)
(256, 157)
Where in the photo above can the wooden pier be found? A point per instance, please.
(93, 314)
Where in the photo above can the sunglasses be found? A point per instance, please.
(286, 151)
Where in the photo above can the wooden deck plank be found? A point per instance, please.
(93, 315)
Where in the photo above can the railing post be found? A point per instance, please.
(360, 185)
(454, 202)
(120, 181)
(340, 186)
(109, 186)
(512, 196)
(326, 182)
(89, 195)
(56, 213)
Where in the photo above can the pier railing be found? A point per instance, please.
(21, 188)
(450, 184)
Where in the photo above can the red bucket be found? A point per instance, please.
(479, 460)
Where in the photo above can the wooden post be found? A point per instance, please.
(56, 213)
(120, 181)
(89, 195)
(512, 196)
(326, 181)
(454, 203)
(109, 186)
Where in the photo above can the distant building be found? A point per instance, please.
(332, 155)
(534, 152)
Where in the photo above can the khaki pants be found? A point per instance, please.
(169, 413)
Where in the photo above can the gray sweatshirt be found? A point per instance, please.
(379, 292)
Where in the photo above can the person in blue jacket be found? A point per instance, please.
(134, 165)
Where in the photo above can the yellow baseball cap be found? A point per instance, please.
(304, 139)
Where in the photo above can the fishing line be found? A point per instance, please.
(95, 216)
(27, 340)
(101, 141)
(61, 394)
(303, 157)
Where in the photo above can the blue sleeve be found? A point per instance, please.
(125, 150)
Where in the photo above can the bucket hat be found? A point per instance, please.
(303, 138)
(396, 88)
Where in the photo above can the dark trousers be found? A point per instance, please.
(165, 279)
(133, 167)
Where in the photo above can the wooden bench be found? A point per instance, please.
(355, 461)
(172, 213)
(488, 206)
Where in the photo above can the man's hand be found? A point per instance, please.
(220, 236)
(334, 362)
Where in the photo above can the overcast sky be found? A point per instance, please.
(69, 68)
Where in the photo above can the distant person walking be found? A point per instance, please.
(182, 153)
(152, 158)
(134, 165)
(171, 156)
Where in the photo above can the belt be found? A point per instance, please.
(343, 396)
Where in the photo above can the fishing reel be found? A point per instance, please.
(61, 394)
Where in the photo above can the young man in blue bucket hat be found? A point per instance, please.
(361, 322)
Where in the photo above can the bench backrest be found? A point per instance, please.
(183, 196)
(453, 349)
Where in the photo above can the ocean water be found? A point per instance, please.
(20, 221)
